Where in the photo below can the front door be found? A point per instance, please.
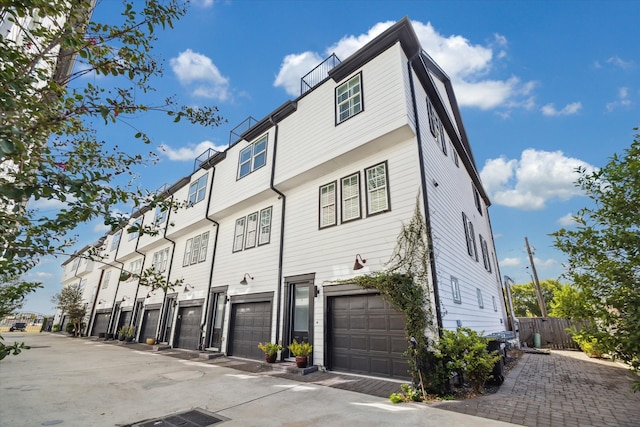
(300, 295)
(218, 304)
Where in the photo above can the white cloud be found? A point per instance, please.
(567, 220)
(510, 262)
(202, 3)
(101, 228)
(199, 74)
(467, 65)
(623, 100)
(544, 264)
(568, 110)
(529, 183)
(190, 152)
(619, 62)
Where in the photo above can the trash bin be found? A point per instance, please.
(497, 343)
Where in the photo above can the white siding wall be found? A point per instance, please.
(189, 218)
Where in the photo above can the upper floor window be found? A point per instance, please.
(476, 198)
(328, 205)
(160, 215)
(454, 155)
(105, 279)
(116, 240)
(479, 294)
(472, 249)
(159, 260)
(348, 99)
(238, 234)
(485, 253)
(455, 290)
(265, 226)
(197, 190)
(350, 197)
(135, 267)
(495, 304)
(135, 229)
(253, 229)
(195, 250)
(435, 125)
(253, 157)
(377, 189)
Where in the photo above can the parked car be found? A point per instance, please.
(18, 326)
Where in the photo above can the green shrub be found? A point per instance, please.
(56, 327)
(589, 344)
(409, 394)
(69, 328)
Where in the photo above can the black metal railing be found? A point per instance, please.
(318, 74)
(210, 152)
(236, 133)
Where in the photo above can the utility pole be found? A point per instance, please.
(536, 283)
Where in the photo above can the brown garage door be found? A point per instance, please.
(366, 336)
(250, 325)
(188, 328)
(100, 323)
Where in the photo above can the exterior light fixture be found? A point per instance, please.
(244, 282)
(359, 264)
(101, 301)
(188, 287)
(124, 298)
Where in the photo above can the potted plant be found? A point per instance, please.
(270, 351)
(131, 330)
(151, 341)
(301, 350)
(122, 333)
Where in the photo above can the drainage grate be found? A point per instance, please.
(192, 418)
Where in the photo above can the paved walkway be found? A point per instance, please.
(564, 388)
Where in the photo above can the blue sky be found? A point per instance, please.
(544, 87)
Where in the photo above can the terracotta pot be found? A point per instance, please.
(302, 361)
(151, 341)
(271, 358)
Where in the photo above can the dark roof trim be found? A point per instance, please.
(276, 116)
(213, 160)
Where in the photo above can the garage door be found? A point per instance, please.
(149, 324)
(100, 324)
(250, 325)
(367, 336)
(188, 328)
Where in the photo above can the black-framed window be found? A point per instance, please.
(455, 290)
(377, 182)
(253, 157)
(195, 249)
(349, 98)
(251, 236)
(350, 197)
(485, 253)
(265, 226)
(476, 198)
(436, 127)
(328, 212)
(472, 249)
(238, 237)
(454, 155)
(253, 229)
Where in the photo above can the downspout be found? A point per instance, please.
(115, 295)
(432, 261)
(207, 313)
(282, 219)
(144, 258)
(173, 249)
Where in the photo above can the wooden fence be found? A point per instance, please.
(552, 330)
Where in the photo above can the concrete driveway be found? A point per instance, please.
(563, 388)
(81, 382)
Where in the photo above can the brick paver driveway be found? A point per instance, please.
(564, 388)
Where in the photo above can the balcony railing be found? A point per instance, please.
(236, 132)
(318, 74)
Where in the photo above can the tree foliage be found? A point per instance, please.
(525, 301)
(49, 146)
(603, 253)
(69, 301)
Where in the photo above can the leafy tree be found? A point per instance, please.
(567, 302)
(12, 296)
(69, 301)
(525, 301)
(49, 144)
(604, 254)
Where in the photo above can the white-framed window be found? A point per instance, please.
(480, 302)
(253, 157)
(136, 229)
(472, 249)
(348, 99)
(197, 190)
(74, 264)
(159, 260)
(485, 253)
(105, 279)
(377, 189)
(116, 240)
(135, 267)
(455, 290)
(495, 303)
(160, 216)
(195, 249)
(328, 215)
(238, 238)
(265, 226)
(350, 193)
(252, 230)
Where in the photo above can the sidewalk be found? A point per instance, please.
(564, 388)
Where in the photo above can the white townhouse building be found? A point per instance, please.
(273, 222)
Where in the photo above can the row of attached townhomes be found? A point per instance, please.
(283, 213)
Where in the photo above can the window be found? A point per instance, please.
(105, 279)
(74, 264)
(350, 197)
(116, 240)
(160, 216)
(455, 290)
(253, 157)
(454, 155)
(328, 205)
(135, 232)
(348, 99)
(134, 269)
(377, 189)
(239, 235)
(480, 302)
(472, 249)
(265, 226)
(252, 229)
(159, 260)
(495, 304)
(476, 198)
(485, 253)
(436, 128)
(197, 190)
(195, 249)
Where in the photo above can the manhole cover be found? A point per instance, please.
(192, 418)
